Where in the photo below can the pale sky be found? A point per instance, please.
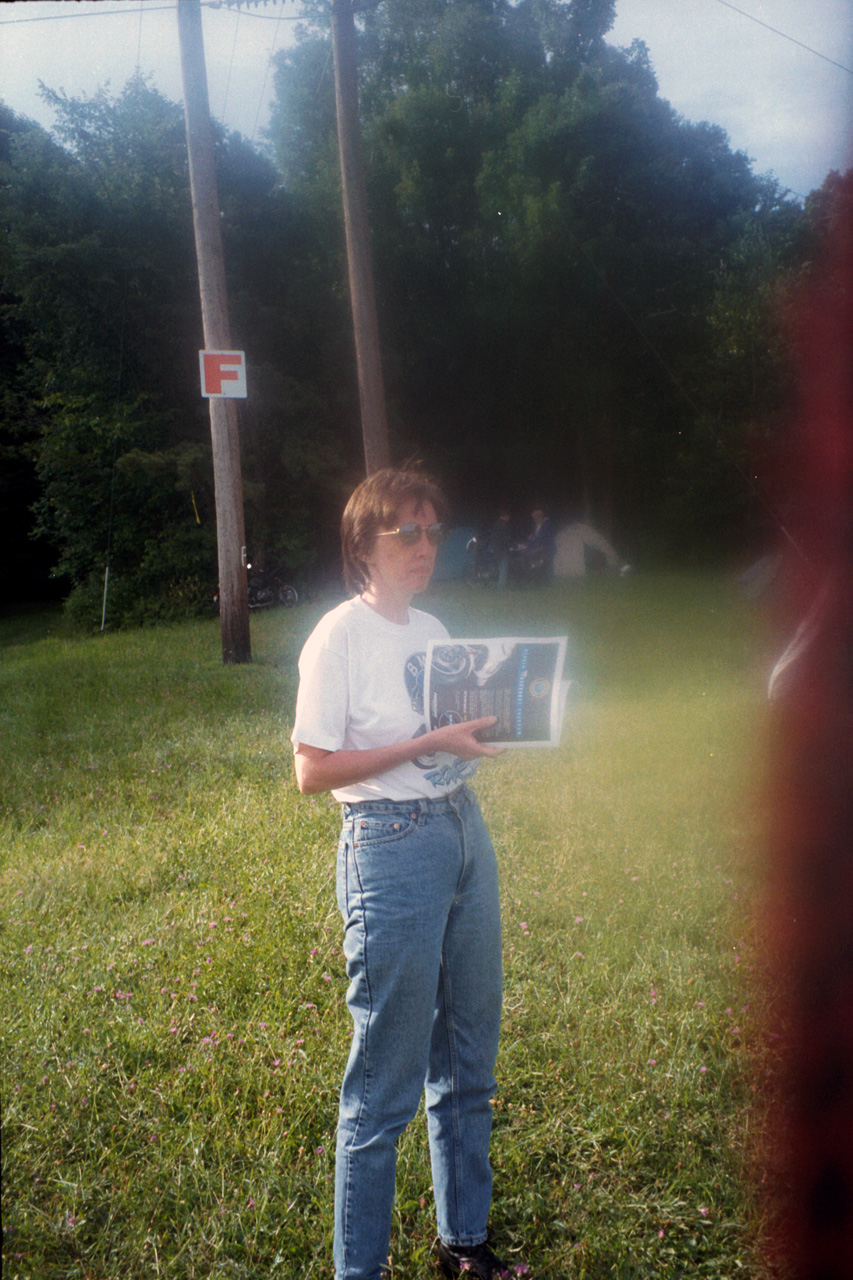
(787, 108)
(782, 104)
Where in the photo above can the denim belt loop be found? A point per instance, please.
(417, 808)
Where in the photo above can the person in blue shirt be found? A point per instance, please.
(541, 545)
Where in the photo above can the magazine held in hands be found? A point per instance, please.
(518, 680)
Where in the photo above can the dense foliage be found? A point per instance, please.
(102, 317)
(578, 302)
(574, 281)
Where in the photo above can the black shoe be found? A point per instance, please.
(475, 1260)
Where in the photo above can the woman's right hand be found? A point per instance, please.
(460, 740)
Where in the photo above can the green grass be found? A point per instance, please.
(174, 1025)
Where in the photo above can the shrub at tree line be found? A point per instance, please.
(580, 299)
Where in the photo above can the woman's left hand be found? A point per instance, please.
(461, 740)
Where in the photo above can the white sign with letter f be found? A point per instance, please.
(223, 374)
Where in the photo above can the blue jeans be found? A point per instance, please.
(418, 891)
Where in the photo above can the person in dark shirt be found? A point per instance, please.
(500, 541)
(541, 545)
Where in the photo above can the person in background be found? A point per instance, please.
(417, 887)
(541, 546)
(500, 541)
(577, 544)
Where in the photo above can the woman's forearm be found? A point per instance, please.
(318, 770)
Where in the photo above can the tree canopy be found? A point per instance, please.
(558, 256)
(100, 307)
(578, 293)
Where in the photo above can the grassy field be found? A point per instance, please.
(174, 1025)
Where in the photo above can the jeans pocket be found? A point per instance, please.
(372, 829)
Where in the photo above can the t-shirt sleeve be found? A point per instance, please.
(322, 702)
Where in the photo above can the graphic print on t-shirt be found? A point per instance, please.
(413, 672)
(452, 770)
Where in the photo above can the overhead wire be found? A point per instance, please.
(726, 4)
(250, 13)
(91, 13)
(148, 8)
(241, 8)
(266, 77)
(139, 41)
(231, 62)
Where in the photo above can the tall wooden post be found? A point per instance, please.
(374, 423)
(224, 433)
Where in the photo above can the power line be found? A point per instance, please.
(297, 17)
(266, 77)
(139, 41)
(150, 8)
(250, 13)
(100, 13)
(785, 36)
(231, 63)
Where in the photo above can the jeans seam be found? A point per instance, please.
(364, 1052)
(454, 1061)
(454, 1087)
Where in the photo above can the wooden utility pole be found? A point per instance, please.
(230, 530)
(374, 423)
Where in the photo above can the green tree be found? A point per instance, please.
(97, 282)
(25, 564)
(578, 294)
(555, 253)
(100, 296)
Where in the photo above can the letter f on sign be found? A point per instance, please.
(223, 374)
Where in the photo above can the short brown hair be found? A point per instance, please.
(374, 507)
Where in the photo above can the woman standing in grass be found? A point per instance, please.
(416, 883)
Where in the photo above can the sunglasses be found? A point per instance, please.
(408, 534)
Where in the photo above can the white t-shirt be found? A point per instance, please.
(361, 685)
